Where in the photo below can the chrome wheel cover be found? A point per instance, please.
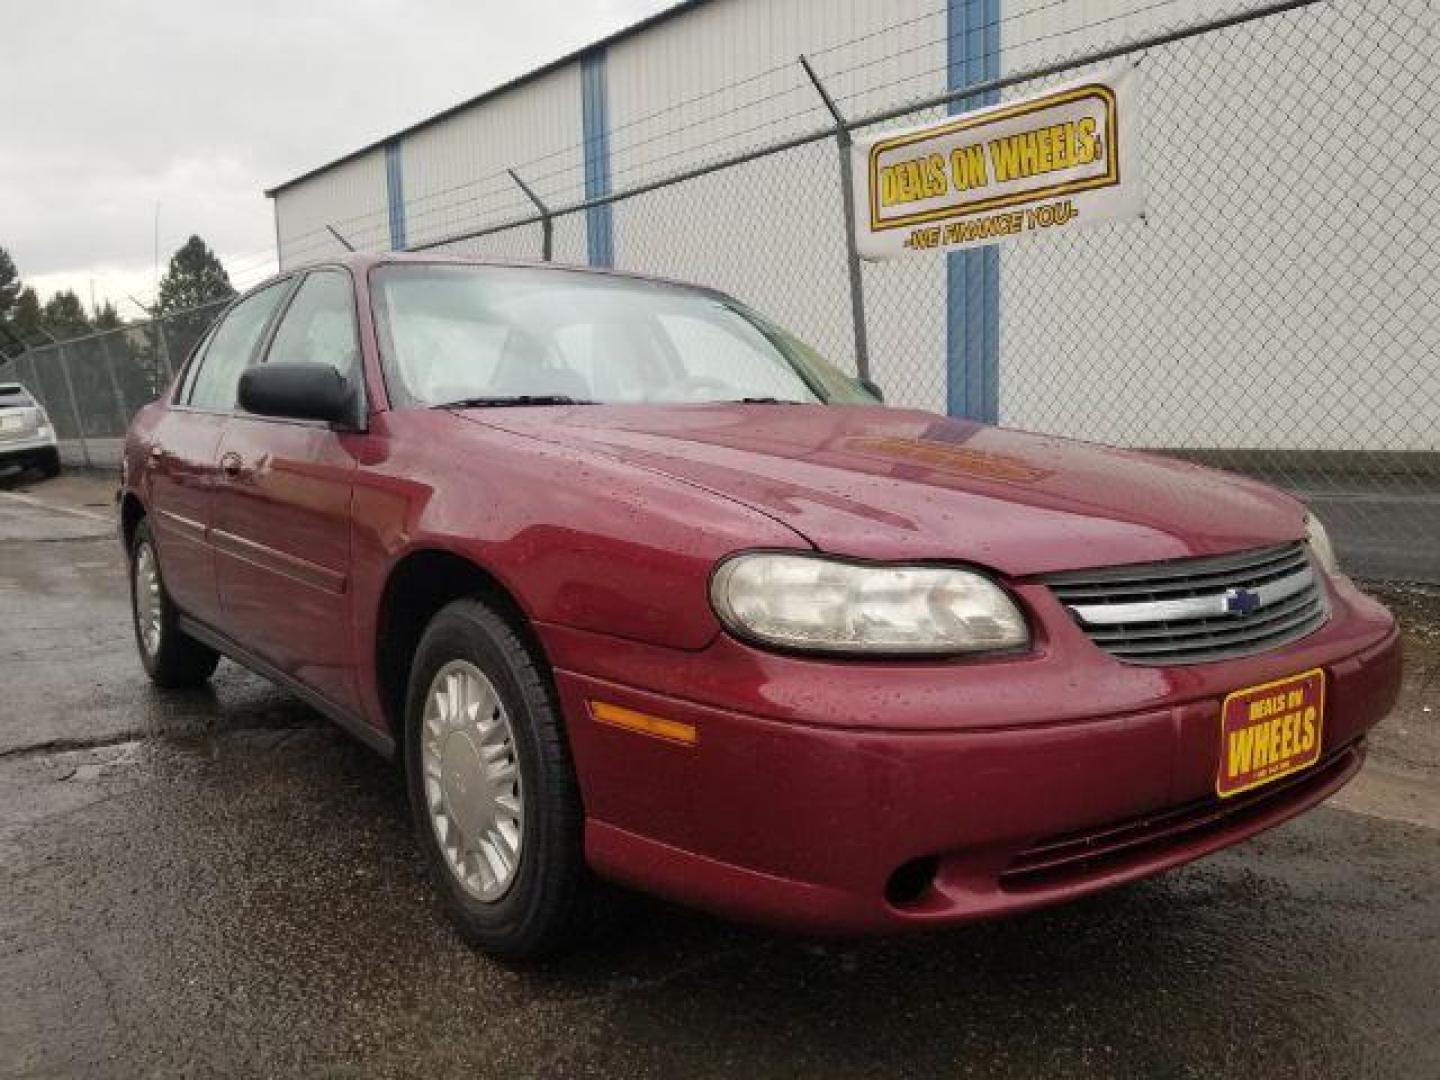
(471, 774)
(147, 599)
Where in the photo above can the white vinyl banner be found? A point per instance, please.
(1053, 162)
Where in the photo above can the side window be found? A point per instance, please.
(187, 382)
(231, 349)
(319, 325)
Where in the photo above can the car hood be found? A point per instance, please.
(884, 483)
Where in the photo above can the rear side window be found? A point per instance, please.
(319, 325)
(15, 397)
(232, 347)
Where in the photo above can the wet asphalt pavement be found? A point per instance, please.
(220, 883)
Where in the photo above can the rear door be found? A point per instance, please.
(181, 472)
(282, 508)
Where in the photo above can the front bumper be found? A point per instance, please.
(867, 798)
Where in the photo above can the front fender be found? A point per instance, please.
(579, 539)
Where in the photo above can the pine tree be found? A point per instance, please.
(27, 318)
(64, 316)
(194, 277)
(12, 342)
(107, 318)
(9, 286)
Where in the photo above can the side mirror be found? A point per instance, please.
(299, 392)
(872, 388)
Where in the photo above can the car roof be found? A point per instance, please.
(362, 262)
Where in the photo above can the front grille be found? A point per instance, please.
(1189, 611)
(1077, 856)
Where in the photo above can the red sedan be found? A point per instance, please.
(639, 586)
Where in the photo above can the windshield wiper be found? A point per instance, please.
(517, 401)
(768, 401)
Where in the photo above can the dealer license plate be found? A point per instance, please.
(1269, 731)
(11, 423)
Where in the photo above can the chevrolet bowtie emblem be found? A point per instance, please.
(1241, 601)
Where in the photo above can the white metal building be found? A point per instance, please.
(1261, 304)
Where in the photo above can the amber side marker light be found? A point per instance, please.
(644, 723)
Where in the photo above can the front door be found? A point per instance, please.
(281, 528)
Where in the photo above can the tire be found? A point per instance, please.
(172, 658)
(50, 464)
(541, 907)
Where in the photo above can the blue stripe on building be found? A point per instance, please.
(972, 277)
(395, 195)
(594, 111)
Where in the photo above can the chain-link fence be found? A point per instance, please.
(91, 386)
(1274, 313)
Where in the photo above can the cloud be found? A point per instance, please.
(113, 108)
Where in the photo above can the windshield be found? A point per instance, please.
(498, 335)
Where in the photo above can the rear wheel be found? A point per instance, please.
(50, 463)
(172, 658)
(496, 806)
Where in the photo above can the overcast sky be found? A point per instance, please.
(110, 106)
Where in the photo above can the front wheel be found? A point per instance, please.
(494, 797)
(172, 658)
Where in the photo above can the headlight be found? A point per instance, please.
(1320, 544)
(817, 604)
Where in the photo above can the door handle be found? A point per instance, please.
(231, 464)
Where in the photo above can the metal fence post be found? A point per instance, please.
(75, 407)
(547, 229)
(847, 194)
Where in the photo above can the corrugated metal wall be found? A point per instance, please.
(1098, 332)
(351, 197)
(719, 78)
(535, 129)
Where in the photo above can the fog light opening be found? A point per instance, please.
(911, 881)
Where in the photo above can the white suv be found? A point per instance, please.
(27, 438)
